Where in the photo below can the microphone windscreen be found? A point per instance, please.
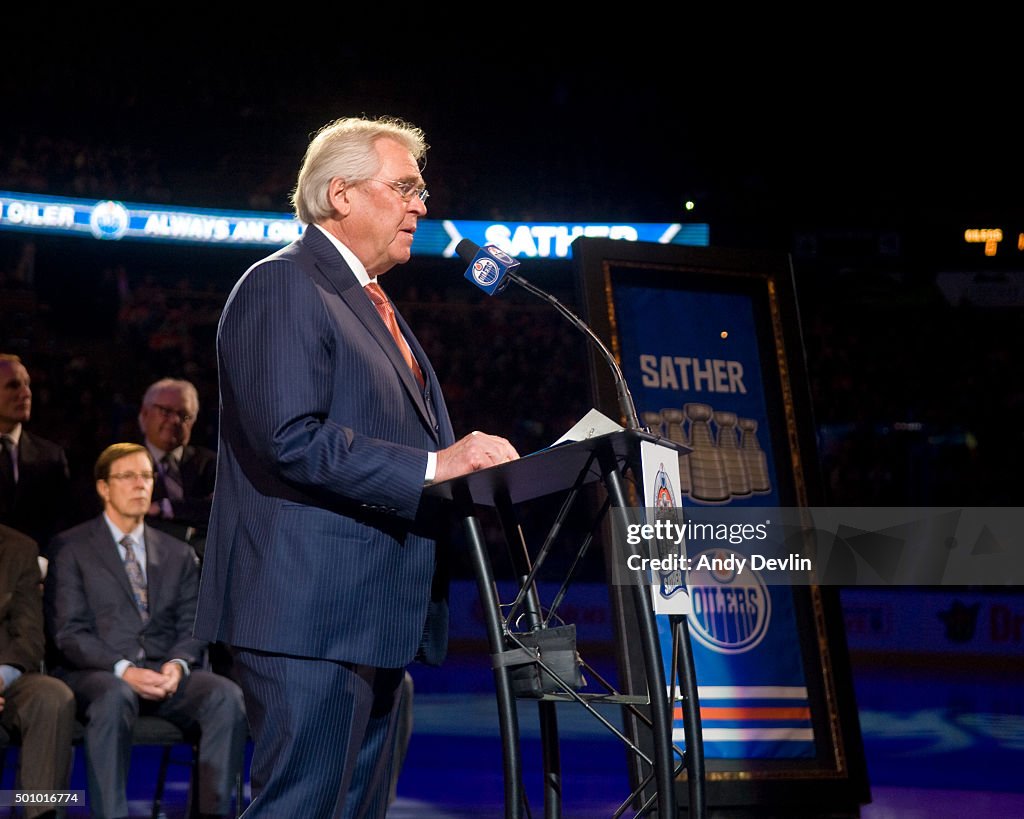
(467, 250)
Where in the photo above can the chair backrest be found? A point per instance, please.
(149, 730)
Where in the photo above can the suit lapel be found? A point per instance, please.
(431, 394)
(342, 280)
(28, 459)
(187, 469)
(155, 556)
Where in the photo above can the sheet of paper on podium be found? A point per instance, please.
(591, 425)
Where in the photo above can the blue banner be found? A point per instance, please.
(111, 220)
(552, 240)
(692, 363)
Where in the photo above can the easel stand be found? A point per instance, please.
(567, 469)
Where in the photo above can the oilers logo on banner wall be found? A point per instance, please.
(730, 610)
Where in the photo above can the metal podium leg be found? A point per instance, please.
(691, 718)
(552, 760)
(508, 720)
(534, 618)
(661, 715)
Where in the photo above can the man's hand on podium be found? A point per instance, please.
(477, 450)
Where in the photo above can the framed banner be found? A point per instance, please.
(709, 343)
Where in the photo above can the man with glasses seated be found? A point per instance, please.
(120, 603)
(183, 492)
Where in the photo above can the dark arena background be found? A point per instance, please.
(895, 194)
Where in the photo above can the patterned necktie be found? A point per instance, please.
(387, 313)
(134, 571)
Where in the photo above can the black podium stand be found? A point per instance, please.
(568, 468)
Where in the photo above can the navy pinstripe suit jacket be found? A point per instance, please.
(319, 545)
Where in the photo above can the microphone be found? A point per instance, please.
(488, 266)
(491, 269)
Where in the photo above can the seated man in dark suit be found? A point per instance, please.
(33, 706)
(183, 492)
(120, 606)
(35, 486)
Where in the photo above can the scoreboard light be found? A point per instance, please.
(990, 237)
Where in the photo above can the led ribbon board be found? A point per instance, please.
(110, 220)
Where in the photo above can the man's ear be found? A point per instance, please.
(337, 196)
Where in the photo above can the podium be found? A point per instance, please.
(602, 461)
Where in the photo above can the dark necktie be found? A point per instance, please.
(134, 571)
(7, 481)
(171, 478)
(387, 313)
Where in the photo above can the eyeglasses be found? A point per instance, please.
(133, 476)
(170, 412)
(406, 189)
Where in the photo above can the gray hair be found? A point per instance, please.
(187, 387)
(346, 148)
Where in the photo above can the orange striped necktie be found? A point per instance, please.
(387, 313)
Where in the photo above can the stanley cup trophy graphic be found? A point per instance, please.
(734, 464)
(726, 460)
(673, 422)
(756, 460)
(707, 472)
(653, 422)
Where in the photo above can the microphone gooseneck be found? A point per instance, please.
(469, 252)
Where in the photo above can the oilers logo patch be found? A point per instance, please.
(485, 271)
(731, 609)
(666, 507)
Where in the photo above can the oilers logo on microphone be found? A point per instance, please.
(485, 271)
